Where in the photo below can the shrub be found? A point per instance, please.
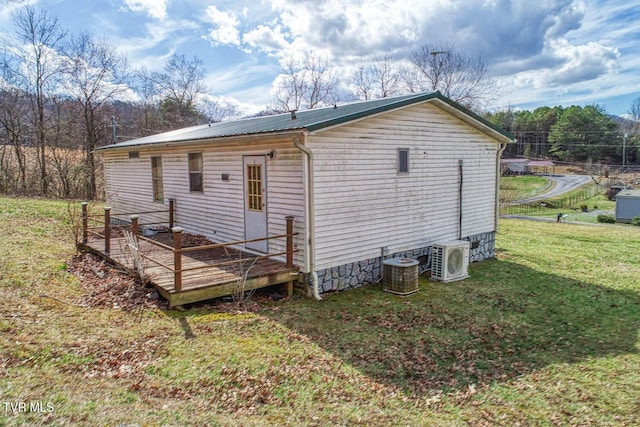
(608, 219)
(636, 220)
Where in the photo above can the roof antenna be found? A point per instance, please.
(293, 114)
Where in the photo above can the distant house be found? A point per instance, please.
(525, 166)
(514, 166)
(627, 205)
(388, 176)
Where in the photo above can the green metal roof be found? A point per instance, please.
(306, 120)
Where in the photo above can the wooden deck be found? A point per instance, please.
(205, 274)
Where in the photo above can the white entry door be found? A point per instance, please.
(255, 202)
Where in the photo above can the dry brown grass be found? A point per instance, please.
(66, 173)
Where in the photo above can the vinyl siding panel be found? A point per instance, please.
(218, 211)
(363, 204)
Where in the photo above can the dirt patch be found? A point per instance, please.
(107, 286)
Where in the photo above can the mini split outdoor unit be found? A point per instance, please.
(450, 261)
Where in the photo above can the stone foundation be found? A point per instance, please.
(483, 246)
(353, 275)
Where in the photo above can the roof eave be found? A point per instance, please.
(500, 134)
(126, 146)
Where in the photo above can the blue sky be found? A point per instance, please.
(544, 52)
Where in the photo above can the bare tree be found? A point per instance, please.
(363, 81)
(148, 101)
(387, 76)
(458, 77)
(379, 79)
(36, 68)
(70, 178)
(180, 85)
(305, 83)
(96, 74)
(216, 110)
(289, 94)
(14, 127)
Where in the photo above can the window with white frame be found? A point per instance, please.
(195, 172)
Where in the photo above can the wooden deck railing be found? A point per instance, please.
(176, 247)
(101, 225)
(178, 251)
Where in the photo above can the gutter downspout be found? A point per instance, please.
(310, 208)
(501, 148)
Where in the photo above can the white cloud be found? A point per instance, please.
(154, 8)
(225, 31)
(157, 43)
(581, 63)
(354, 29)
(266, 39)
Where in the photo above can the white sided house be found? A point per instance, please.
(384, 177)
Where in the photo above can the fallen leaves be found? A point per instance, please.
(107, 286)
(113, 358)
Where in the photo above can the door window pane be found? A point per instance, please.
(254, 188)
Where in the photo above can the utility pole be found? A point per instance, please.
(624, 150)
(113, 129)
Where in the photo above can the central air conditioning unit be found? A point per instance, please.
(450, 261)
(400, 276)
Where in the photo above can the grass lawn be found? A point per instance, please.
(548, 333)
(522, 186)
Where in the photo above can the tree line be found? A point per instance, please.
(573, 134)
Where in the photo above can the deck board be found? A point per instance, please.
(202, 283)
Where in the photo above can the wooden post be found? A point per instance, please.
(289, 251)
(289, 234)
(107, 230)
(172, 212)
(85, 222)
(134, 225)
(177, 258)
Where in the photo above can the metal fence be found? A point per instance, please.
(541, 206)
